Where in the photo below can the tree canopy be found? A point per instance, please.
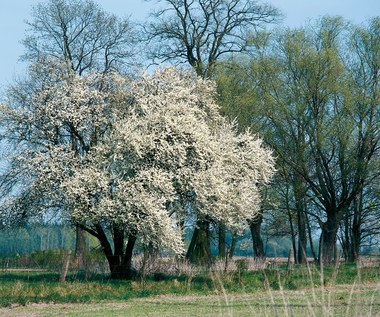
(133, 154)
(201, 32)
(81, 33)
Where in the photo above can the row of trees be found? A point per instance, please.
(313, 94)
(128, 157)
(25, 240)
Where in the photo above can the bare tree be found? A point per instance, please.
(80, 32)
(200, 32)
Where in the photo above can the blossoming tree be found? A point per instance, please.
(144, 150)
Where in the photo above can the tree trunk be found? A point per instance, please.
(233, 245)
(199, 249)
(128, 271)
(118, 241)
(354, 249)
(302, 237)
(311, 239)
(345, 236)
(221, 240)
(120, 263)
(121, 266)
(300, 204)
(115, 260)
(327, 245)
(356, 233)
(80, 248)
(257, 241)
(293, 235)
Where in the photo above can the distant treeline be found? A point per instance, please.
(31, 238)
(25, 240)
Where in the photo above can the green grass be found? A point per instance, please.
(363, 300)
(44, 287)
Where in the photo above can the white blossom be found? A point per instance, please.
(130, 150)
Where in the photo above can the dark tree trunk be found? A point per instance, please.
(233, 245)
(300, 204)
(293, 235)
(118, 241)
(354, 249)
(328, 239)
(356, 233)
(121, 265)
(345, 236)
(199, 249)
(113, 261)
(128, 271)
(119, 261)
(257, 241)
(117, 257)
(221, 240)
(302, 237)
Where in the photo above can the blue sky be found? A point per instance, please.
(13, 13)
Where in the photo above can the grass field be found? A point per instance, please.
(347, 290)
(345, 300)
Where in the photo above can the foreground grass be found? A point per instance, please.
(347, 290)
(363, 300)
